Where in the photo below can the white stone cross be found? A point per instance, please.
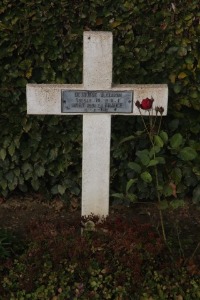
(96, 99)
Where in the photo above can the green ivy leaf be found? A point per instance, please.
(171, 50)
(115, 24)
(196, 170)
(182, 75)
(146, 177)
(177, 88)
(11, 149)
(26, 167)
(3, 183)
(2, 154)
(61, 189)
(196, 194)
(75, 190)
(182, 51)
(53, 153)
(35, 184)
(187, 154)
(12, 185)
(194, 94)
(17, 172)
(39, 171)
(27, 125)
(54, 189)
(134, 166)
(26, 153)
(10, 176)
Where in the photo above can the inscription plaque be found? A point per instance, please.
(96, 101)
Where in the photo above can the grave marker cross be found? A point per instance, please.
(96, 99)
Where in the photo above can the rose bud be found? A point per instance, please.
(159, 109)
(137, 103)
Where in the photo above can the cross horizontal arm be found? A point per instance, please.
(45, 99)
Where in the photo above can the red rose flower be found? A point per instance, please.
(147, 103)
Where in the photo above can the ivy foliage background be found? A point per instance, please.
(155, 41)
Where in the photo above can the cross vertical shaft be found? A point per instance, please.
(97, 75)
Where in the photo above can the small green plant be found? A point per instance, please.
(103, 263)
(119, 258)
(162, 167)
(10, 244)
(177, 285)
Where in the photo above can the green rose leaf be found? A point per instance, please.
(176, 175)
(144, 156)
(177, 203)
(146, 177)
(132, 197)
(127, 139)
(176, 140)
(167, 190)
(118, 195)
(188, 153)
(145, 159)
(163, 205)
(158, 141)
(154, 150)
(164, 136)
(130, 183)
(153, 162)
(160, 160)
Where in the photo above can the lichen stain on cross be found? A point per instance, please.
(97, 87)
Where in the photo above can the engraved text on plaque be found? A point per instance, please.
(97, 101)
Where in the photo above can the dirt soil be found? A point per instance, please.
(183, 223)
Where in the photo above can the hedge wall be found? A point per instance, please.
(155, 41)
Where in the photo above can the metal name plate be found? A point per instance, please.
(96, 101)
